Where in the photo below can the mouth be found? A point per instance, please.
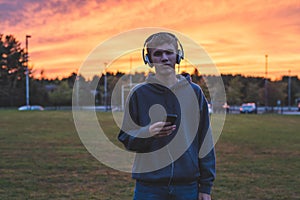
(166, 65)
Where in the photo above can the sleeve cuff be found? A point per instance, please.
(205, 189)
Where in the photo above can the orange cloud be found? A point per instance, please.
(236, 35)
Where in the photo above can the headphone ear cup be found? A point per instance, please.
(179, 57)
(147, 60)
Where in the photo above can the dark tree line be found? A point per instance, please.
(12, 71)
(57, 92)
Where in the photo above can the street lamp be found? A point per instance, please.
(266, 83)
(105, 86)
(27, 72)
(289, 90)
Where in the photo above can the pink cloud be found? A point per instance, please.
(234, 34)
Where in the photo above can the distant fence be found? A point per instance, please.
(269, 109)
(232, 109)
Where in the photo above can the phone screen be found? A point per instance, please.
(171, 118)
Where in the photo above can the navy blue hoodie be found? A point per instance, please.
(173, 159)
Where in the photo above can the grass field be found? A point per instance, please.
(42, 157)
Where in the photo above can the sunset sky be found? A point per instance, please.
(236, 35)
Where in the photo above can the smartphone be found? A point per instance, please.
(171, 118)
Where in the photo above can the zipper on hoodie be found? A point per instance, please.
(172, 166)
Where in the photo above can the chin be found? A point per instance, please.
(167, 67)
(166, 71)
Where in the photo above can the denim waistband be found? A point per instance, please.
(167, 182)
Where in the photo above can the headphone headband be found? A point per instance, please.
(146, 58)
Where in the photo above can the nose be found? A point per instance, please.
(164, 57)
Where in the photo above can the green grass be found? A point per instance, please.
(42, 157)
(258, 157)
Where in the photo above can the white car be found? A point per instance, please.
(33, 107)
(248, 108)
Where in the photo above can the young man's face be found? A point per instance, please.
(163, 58)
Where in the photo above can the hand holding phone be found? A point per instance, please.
(160, 129)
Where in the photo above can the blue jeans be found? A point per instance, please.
(145, 191)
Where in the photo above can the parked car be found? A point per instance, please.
(248, 108)
(33, 107)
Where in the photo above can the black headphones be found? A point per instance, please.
(146, 58)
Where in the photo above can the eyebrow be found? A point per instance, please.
(163, 50)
